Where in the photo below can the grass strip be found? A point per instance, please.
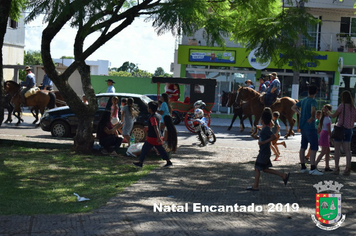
(42, 181)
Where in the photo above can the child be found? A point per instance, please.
(170, 139)
(154, 138)
(164, 110)
(276, 131)
(324, 139)
(308, 130)
(317, 117)
(263, 161)
(114, 110)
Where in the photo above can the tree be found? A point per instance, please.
(109, 18)
(278, 37)
(128, 66)
(67, 57)
(120, 73)
(13, 9)
(159, 72)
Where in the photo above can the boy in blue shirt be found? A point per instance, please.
(308, 130)
(263, 161)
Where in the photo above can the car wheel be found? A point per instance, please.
(60, 129)
(139, 132)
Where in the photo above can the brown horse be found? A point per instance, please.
(38, 101)
(242, 110)
(283, 106)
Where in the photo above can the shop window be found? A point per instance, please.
(348, 27)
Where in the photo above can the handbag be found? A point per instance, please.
(338, 132)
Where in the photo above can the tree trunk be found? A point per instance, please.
(5, 6)
(84, 139)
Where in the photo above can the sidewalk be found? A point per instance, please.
(210, 176)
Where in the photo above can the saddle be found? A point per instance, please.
(262, 99)
(31, 92)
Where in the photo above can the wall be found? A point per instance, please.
(127, 85)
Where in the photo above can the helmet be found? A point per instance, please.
(199, 104)
(198, 113)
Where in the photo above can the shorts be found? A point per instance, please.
(263, 161)
(309, 136)
(324, 139)
(348, 136)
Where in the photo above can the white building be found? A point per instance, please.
(99, 67)
(13, 48)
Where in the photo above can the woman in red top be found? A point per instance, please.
(176, 93)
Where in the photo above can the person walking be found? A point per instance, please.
(263, 161)
(276, 130)
(154, 138)
(347, 116)
(111, 88)
(308, 130)
(165, 109)
(324, 138)
(129, 113)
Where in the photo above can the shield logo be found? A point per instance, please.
(328, 208)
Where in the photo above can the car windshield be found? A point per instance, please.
(102, 101)
(146, 99)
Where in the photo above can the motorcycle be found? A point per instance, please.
(178, 117)
(205, 133)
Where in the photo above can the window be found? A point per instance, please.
(13, 24)
(348, 27)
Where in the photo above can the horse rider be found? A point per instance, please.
(249, 84)
(273, 90)
(263, 84)
(47, 83)
(29, 83)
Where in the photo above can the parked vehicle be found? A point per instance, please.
(62, 122)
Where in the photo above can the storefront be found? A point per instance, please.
(231, 67)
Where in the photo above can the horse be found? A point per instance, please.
(9, 107)
(59, 101)
(38, 101)
(243, 111)
(282, 105)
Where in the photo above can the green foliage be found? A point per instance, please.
(67, 57)
(120, 73)
(159, 71)
(128, 66)
(280, 34)
(17, 6)
(33, 58)
(42, 181)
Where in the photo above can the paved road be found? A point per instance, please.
(216, 175)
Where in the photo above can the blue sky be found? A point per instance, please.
(138, 44)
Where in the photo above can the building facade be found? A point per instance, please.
(13, 48)
(333, 39)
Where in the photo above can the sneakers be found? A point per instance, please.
(315, 172)
(137, 164)
(304, 170)
(169, 163)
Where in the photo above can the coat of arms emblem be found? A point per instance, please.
(328, 205)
